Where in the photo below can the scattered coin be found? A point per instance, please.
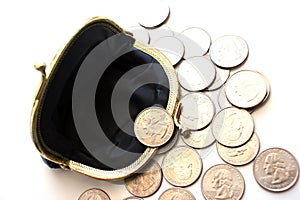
(196, 73)
(222, 100)
(276, 169)
(171, 47)
(182, 166)
(232, 127)
(221, 77)
(170, 144)
(146, 182)
(162, 31)
(133, 198)
(140, 34)
(176, 194)
(153, 126)
(153, 14)
(229, 51)
(94, 193)
(246, 89)
(198, 139)
(197, 111)
(222, 182)
(240, 155)
(196, 41)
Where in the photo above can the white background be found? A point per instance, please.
(32, 31)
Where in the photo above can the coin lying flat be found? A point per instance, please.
(153, 126)
(222, 182)
(133, 198)
(171, 47)
(146, 182)
(182, 166)
(197, 111)
(170, 144)
(198, 139)
(196, 41)
(94, 193)
(246, 89)
(240, 155)
(276, 169)
(229, 51)
(196, 73)
(232, 127)
(162, 31)
(222, 100)
(176, 194)
(140, 34)
(153, 14)
(221, 77)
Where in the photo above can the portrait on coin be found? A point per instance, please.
(155, 126)
(222, 183)
(183, 169)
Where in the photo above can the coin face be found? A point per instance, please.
(221, 77)
(276, 170)
(176, 194)
(199, 139)
(182, 166)
(196, 73)
(222, 182)
(246, 89)
(229, 51)
(197, 111)
(145, 183)
(170, 144)
(153, 126)
(133, 198)
(95, 194)
(240, 155)
(232, 127)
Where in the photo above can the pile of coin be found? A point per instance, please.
(214, 106)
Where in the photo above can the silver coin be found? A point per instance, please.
(222, 100)
(197, 111)
(232, 127)
(171, 47)
(153, 14)
(94, 193)
(196, 41)
(157, 33)
(246, 89)
(229, 51)
(198, 139)
(196, 74)
(221, 77)
(140, 34)
(170, 144)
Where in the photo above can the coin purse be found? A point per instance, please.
(67, 102)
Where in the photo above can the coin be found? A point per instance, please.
(240, 155)
(94, 193)
(146, 182)
(246, 89)
(140, 34)
(197, 111)
(221, 77)
(222, 100)
(198, 139)
(232, 127)
(170, 144)
(222, 182)
(133, 198)
(171, 47)
(196, 73)
(182, 166)
(195, 40)
(153, 126)
(162, 31)
(176, 194)
(276, 169)
(229, 51)
(153, 14)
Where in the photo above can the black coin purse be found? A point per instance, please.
(86, 103)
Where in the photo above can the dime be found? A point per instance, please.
(153, 14)
(232, 127)
(170, 144)
(176, 194)
(276, 169)
(222, 182)
(246, 89)
(171, 47)
(140, 34)
(133, 198)
(197, 111)
(229, 51)
(196, 73)
(221, 77)
(240, 155)
(198, 139)
(196, 41)
(145, 183)
(182, 166)
(94, 193)
(153, 126)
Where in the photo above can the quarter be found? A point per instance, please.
(94, 193)
(198, 139)
(176, 194)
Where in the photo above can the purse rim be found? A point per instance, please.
(66, 163)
